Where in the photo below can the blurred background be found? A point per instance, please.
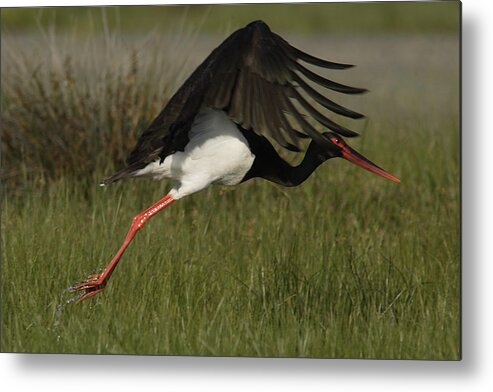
(404, 17)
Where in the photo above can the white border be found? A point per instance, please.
(126, 373)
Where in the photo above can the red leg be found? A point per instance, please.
(97, 282)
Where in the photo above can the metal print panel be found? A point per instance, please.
(267, 238)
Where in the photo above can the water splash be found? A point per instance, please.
(57, 318)
(75, 295)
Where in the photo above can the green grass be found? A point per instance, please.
(347, 265)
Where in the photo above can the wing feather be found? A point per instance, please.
(296, 54)
(324, 101)
(254, 76)
(341, 88)
(320, 117)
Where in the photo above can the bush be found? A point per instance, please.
(73, 106)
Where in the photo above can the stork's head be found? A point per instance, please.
(338, 148)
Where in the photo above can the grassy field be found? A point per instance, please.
(347, 265)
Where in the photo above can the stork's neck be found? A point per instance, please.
(270, 166)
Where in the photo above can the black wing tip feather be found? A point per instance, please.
(291, 147)
(360, 90)
(301, 135)
(349, 133)
(308, 58)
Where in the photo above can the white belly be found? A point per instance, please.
(217, 153)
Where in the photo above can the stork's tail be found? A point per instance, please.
(128, 171)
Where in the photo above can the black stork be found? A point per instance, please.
(217, 126)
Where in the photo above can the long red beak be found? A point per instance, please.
(355, 157)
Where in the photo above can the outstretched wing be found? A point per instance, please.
(256, 77)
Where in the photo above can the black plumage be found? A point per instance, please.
(254, 76)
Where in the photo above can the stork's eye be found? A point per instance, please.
(335, 140)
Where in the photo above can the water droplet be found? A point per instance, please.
(61, 306)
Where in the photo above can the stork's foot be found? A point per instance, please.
(91, 286)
